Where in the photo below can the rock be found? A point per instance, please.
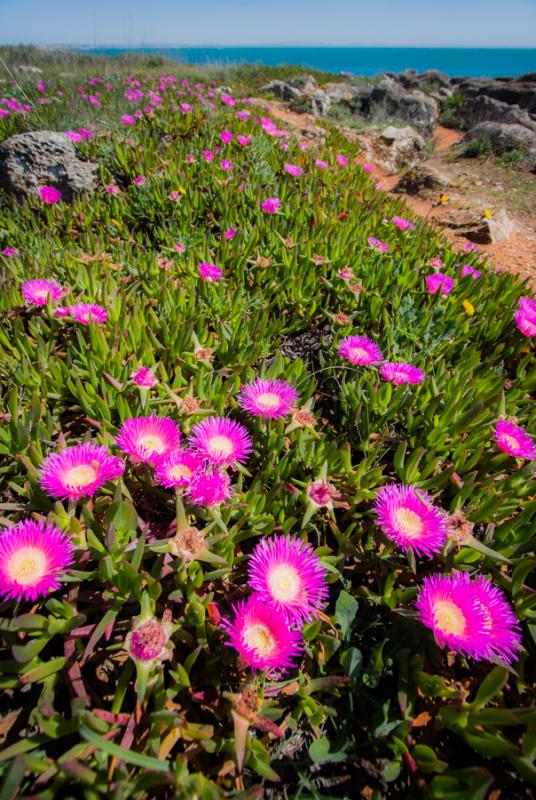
(305, 83)
(505, 137)
(398, 148)
(479, 229)
(29, 160)
(435, 77)
(420, 178)
(512, 92)
(283, 90)
(340, 92)
(28, 69)
(486, 109)
(320, 102)
(388, 101)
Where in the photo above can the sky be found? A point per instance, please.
(397, 23)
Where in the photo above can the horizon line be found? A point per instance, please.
(318, 46)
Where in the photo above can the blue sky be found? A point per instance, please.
(479, 23)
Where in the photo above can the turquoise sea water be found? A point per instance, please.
(359, 60)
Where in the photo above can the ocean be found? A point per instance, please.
(367, 61)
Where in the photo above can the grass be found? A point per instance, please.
(376, 708)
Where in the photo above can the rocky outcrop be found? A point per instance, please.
(398, 148)
(505, 137)
(388, 100)
(30, 160)
(421, 178)
(480, 230)
(486, 109)
(511, 91)
(282, 90)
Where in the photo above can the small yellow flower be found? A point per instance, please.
(488, 214)
(444, 199)
(469, 308)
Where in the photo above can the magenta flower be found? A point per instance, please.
(208, 154)
(368, 167)
(174, 197)
(408, 517)
(271, 205)
(209, 273)
(346, 274)
(378, 245)
(222, 441)
(262, 638)
(209, 487)
(502, 626)
(147, 439)
(321, 493)
(84, 313)
(10, 252)
(226, 137)
(514, 440)
(243, 140)
(268, 398)
(33, 556)
(341, 160)
(448, 605)
(128, 119)
(321, 164)
(438, 281)
(177, 467)
(78, 471)
(436, 263)
(293, 169)
(139, 180)
(399, 373)
(229, 234)
(49, 195)
(148, 642)
(37, 292)
(226, 164)
(403, 224)
(179, 247)
(360, 350)
(286, 574)
(143, 376)
(112, 188)
(525, 316)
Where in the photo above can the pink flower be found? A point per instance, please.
(226, 164)
(174, 197)
(399, 373)
(360, 350)
(408, 517)
(293, 169)
(471, 247)
(148, 642)
(448, 605)
(78, 471)
(226, 137)
(85, 134)
(222, 441)
(33, 556)
(378, 245)
(177, 467)
(37, 292)
(287, 575)
(525, 316)
(10, 252)
(143, 376)
(268, 398)
(179, 247)
(186, 108)
(208, 154)
(271, 205)
(209, 272)
(209, 487)
(368, 167)
(403, 224)
(84, 313)
(49, 195)
(73, 136)
(321, 164)
(321, 493)
(229, 234)
(262, 638)
(242, 115)
(139, 180)
(438, 281)
(346, 274)
(341, 160)
(502, 627)
(113, 189)
(243, 140)
(514, 440)
(147, 439)
(128, 119)
(436, 263)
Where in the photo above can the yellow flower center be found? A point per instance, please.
(448, 617)
(268, 400)
(152, 442)
(27, 566)
(81, 475)
(409, 522)
(220, 446)
(179, 471)
(358, 352)
(42, 293)
(510, 441)
(284, 583)
(258, 637)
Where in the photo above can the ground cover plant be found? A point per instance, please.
(267, 470)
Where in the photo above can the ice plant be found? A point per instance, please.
(447, 604)
(177, 467)
(49, 195)
(268, 398)
(143, 376)
(209, 273)
(514, 440)
(148, 642)
(33, 556)
(502, 626)
(409, 518)
(399, 373)
(286, 574)
(293, 169)
(263, 639)
(78, 471)
(37, 292)
(271, 205)
(403, 224)
(229, 234)
(84, 313)
(147, 439)
(321, 493)
(525, 316)
(378, 245)
(360, 350)
(209, 487)
(221, 441)
(438, 282)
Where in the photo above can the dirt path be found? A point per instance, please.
(476, 186)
